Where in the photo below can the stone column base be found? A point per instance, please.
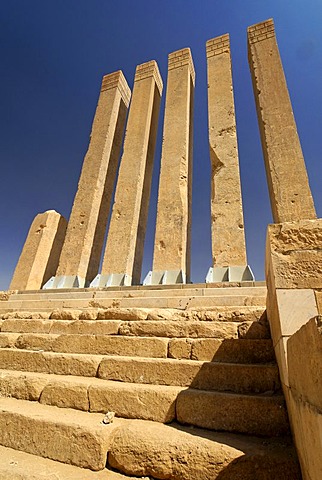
(165, 277)
(230, 274)
(111, 280)
(64, 281)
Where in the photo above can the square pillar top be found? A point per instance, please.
(261, 31)
(182, 57)
(218, 45)
(117, 80)
(149, 69)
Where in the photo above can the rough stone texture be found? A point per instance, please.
(86, 327)
(148, 402)
(179, 329)
(173, 224)
(199, 375)
(67, 392)
(235, 351)
(49, 362)
(254, 330)
(294, 254)
(65, 314)
(125, 241)
(227, 221)
(84, 239)
(257, 415)
(36, 428)
(192, 454)
(288, 184)
(18, 325)
(40, 254)
(21, 386)
(15, 465)
(304, 357)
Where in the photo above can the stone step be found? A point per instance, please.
(219, 313)
(184, 373)
(89, 344)
(68, 436)
(241, 378)
(212, 349)
(146, 328)
(147, 402)
(162, 451)
(131, 292)
(181, 303)
(134, 447)
(16, 465)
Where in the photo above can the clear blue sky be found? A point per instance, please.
(53, 54)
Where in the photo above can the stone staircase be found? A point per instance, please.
(189, 372)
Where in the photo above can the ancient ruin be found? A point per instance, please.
(104, 378)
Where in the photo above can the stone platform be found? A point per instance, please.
(189, 372)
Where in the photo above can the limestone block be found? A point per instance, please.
(254, 330)
(48, 362)
(67, 393)
(21, 386)
(83, 244)
(40, 254)
(232, 350)
(288, 184)
(180, 348)
(227, 221)
(35, 429)
(179, 329)
(307, 427)
(86, 327)
(173, 224)
(147, 402)
(294, 254)
(16, 325)
(125, 240)
(65, 314)
(111, 345)
(304, 352)
(15, 465)
(192, 454)
(257, 415)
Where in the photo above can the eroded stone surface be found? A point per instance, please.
(173, 224)
(125, 240)
(290, 194)
(227, 222)
(83, 244)
(293, 254)
(40, 254)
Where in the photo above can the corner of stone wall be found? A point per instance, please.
(294, 300)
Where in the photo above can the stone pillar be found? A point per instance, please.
(288, 184)
(171, 259)
(227, 221)
(81, 253)
(40, 254)
(122, 261)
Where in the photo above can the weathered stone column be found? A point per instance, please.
(288, 184)
(81, 253)
(227, 221)
(122, 261)
(40, 254)
(171, 259)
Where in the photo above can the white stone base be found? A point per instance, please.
(64, 281)
(230, 274)
(165, 277)
(111, 280)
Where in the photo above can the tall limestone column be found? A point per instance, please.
(122, 261)
(288, 184)
(171, 259)
(227, 222)
(40, 254)
(81, 253)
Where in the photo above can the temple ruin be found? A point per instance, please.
(104, 377)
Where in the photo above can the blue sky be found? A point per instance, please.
(53, 54)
